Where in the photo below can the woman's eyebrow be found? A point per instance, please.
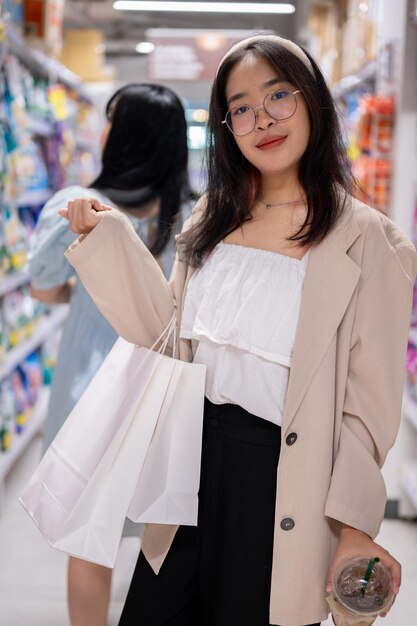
(236, 96)
(273, 81)
(243, 94)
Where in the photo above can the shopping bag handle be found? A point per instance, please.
(168, 332)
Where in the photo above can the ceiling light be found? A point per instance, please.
(204, 7)
(210, 41)
(145, 47)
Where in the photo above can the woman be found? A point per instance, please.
(297, 297)
(143, 173)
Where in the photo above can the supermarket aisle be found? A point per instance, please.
(32, 576)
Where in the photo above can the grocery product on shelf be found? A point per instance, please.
(375, 135)
(7, 415)
(4, 260)
(3, 337)
(48, 356)
(370, 120)
(32, 374)
(19, 393)
(20, 314)
(15, 239)
(375, 128)
(22, 407)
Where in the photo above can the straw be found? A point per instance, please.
(368, 573)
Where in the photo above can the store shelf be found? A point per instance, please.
(364, 76)
(20, 441)
(42, 65)
(14, 280)
(409, 483)
(44, 328)
(33, 198)
(41, 128)
(410, 410)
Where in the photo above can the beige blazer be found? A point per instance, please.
(344, 393)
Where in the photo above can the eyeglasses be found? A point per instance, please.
(280, 105)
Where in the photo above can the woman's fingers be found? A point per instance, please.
(395, 569)
(392, 564)
(356, 543)
(84, 214)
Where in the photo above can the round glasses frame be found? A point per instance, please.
(262, 106)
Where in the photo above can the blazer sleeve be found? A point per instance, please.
(123, 278)
(372, 406)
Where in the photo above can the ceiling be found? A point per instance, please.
(124, 29)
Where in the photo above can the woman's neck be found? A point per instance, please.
(279, 190)
(148, 210)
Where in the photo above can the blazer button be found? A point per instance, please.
(287, 523)
(291, 439)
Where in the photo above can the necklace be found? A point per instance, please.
(290, 203)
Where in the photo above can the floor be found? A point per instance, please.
(32, 575)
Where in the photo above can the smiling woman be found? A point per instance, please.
(279, 126)
(283, 286)
(281, 159)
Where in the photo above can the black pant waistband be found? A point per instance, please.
(234, 421)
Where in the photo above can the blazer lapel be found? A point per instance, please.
(330, 281)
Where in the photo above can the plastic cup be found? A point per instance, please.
(362, 586)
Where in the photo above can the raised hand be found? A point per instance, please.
(83, 214)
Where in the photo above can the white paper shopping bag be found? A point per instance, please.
(93, 529)
(107, 405)
(167, 489)
(146, 456)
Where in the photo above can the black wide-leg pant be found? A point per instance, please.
(219, 573)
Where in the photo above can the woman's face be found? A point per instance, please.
(273, 147)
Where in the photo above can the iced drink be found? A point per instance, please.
(362, 586)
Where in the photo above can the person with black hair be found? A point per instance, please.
(297, 298)
(144, 174)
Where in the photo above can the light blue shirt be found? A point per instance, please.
(87, 336)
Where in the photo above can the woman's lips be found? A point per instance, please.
(273, 142)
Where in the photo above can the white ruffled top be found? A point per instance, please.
(241, 312)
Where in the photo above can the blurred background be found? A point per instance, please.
(60, 60)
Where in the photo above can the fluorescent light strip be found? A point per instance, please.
(204, 7)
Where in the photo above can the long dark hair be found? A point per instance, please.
(146, 154)
(233, 183)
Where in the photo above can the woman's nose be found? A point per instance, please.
(263, 119)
